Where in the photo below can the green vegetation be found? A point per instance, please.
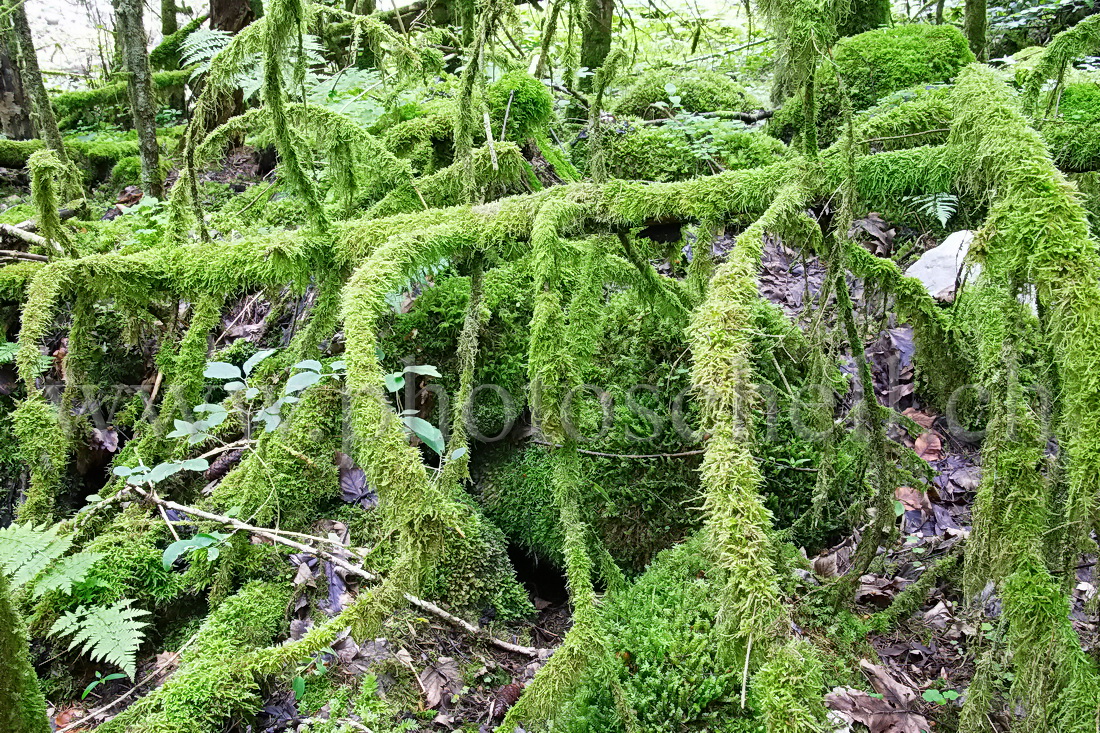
(448, 372)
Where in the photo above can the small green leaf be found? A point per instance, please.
(458, 453)
(338, 366)
(934, 696)
(899, 508)
(251, 393)
(426, 432)
(301, 381)
(221, 370)
(298, 684)
(174, 550)
(951, 694)
(394, 381)
(311, 364)
(122, 470)
(424, 370)
(256, 359)
(234, 386)
(196, 464)
(162, 471)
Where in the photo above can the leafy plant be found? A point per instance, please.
(940, 698)
(940, 206)
(206, 543)
(418, 426)
(110, 634)
(99, 680)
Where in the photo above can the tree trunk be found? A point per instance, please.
(24, 707)
(596, 41)
(939, 12)
(231, 15)
(41, 111)
(131, 33)
(169, 22)
(974, 22)
(865, 15)
(15, 116)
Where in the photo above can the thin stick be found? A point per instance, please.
(489, 138)
(507, 111)
(683, 454)
(13, 254)
(160, 668)
(276, 536)
(28, 237)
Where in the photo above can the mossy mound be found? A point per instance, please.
(1074, 138)
(679, 152)
(909, 118)
(876, 64)
(108, 103)
(525, 100)
(699, 90)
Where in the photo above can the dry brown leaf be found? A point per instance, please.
(920, 418)
(929, 446)
(856, 706)
(440, 680)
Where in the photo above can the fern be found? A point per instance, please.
(110, 634)
(202, 46)
(66, 573)
(26, 551)
(31, 554)
(941, 206)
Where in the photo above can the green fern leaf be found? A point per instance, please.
(110, 634)
(26, 551)
(66, 573)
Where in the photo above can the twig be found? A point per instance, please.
(574, 94)
(277, 536)
(489, 139)
(13, 254)
(160, 668)
(507, 111)
(226, 448)
(27, 237)
(728, 51)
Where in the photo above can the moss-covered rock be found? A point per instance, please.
(873, 65)
(677, 152)
(699, 90)
(109, 102)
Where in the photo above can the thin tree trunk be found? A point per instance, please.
(15, 117)
(596, 40)
(169, 21)
(42, 112)
(939, 12)
(131, 32)
(974, 22)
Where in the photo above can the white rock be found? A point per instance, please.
(942, 268)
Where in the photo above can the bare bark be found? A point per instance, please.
(231, 15)
(974, 22)
(131, 32)
(15, 113)
(45, 122)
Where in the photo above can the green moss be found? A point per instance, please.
(45, 449)
(15, 279)
(699, 90)
(1074, 138)
(908, 118)
(425, 141)
(89, 105)
(214, 682)
(675, 153)
(166, 54)
(126, 172)
(24, 708)
(526, 101)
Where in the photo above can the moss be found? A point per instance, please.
(15, 279)
(132, 547)
(425, 141)
(166, 54)
(526, 101)
(89, 105)
(45, 450)
(699, 90)
(24, 709)
(908, 118)
(675, 153)
(1074, 138)
(126, 172)
(214, 682)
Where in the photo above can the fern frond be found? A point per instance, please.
(201, 46)
(25, 551)
(67, 572)
(110, 634)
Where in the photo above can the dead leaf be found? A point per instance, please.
(440, 680)
(929, 446)
(897, 694)
(920, 418)
(856, 706)
(910, 498)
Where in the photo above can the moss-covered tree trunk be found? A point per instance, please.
(974, 23)
(22, 706)
(131, 32)
(169, 20)
(596, 41)
(45, 123)
(15, 118)
(865, 15)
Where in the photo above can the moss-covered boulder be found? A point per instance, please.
(524, 101)
(679, 152)
(873, 65)
(696, 90)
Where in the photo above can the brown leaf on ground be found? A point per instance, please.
(894, 692)
(910, 498)
(856, 706)
(929, 446)
(920, 418)
(440, 680)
